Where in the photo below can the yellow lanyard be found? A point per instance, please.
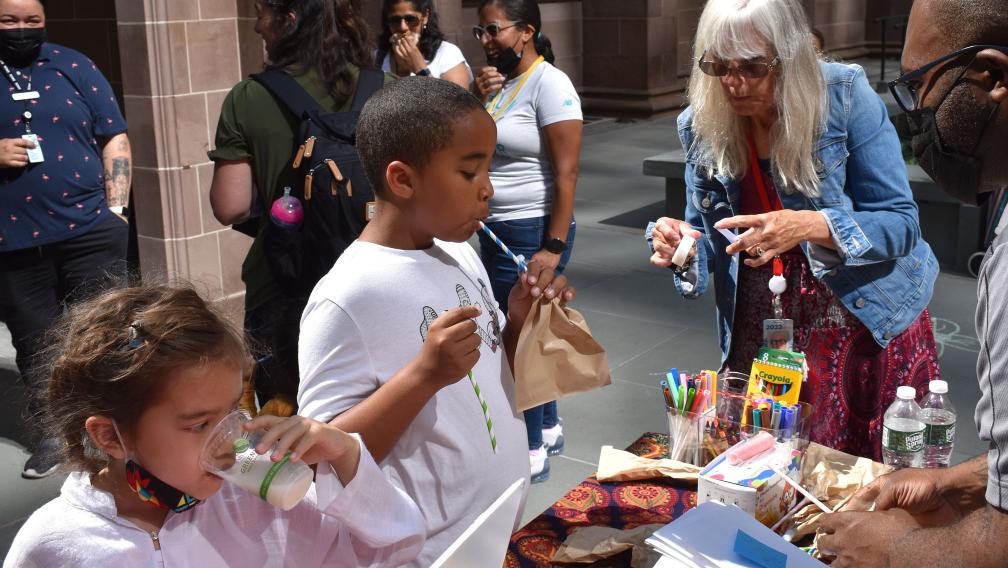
(501, 108)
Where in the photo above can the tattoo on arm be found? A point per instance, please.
(117, 181)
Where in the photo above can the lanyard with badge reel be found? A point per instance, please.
(498, 105)
(25, 95)
(778, 332)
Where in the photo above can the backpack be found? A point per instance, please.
(326, 176)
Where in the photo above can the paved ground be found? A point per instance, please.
(631, 309)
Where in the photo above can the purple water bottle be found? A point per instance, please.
(287, 212)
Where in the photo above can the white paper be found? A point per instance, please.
(485, 542)
(704, 537)
(728, 235)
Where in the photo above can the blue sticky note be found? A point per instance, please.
(755, 551)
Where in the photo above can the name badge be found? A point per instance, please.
(25, 95)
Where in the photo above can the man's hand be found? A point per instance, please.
(488, 82)
(863, 540)
(540, 280)
(14, 152)
(451, 348)
(914, 489)
(665, 239)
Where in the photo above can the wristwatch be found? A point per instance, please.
(425, 72)
(556, 246)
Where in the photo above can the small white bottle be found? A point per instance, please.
(903, 431)
(939, 417)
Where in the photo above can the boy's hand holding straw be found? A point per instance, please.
(535, 280)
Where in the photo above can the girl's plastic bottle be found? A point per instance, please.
(939, 417)
(903, 431)
(287, 212)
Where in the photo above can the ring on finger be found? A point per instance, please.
(760, 251)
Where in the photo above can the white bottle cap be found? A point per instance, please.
(906, 393)
(938, 386)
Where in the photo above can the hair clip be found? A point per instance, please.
(136, 335)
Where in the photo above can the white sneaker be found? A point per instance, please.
(553, 440)
(539, 462)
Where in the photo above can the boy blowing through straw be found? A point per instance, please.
(403, 340)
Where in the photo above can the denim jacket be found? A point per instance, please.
(882, 271)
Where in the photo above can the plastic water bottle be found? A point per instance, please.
(287, 212)
(903, 431)
(939, 419)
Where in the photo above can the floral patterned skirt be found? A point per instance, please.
(851, 380)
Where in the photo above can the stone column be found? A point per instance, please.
(630, 63)
(180, 58)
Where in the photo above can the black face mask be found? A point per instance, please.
(957, 173)
(20, 46)
(506, 61)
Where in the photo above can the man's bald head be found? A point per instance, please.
(961, 23)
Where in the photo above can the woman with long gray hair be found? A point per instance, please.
(797, 158)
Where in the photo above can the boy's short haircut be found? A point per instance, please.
(409, 120)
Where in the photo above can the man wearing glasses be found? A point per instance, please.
(956, 79)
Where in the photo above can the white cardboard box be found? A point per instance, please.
(752, 486)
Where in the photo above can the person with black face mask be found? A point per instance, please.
(535, 169)
(65, 169)
(953, 90)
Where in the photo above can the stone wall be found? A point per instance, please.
(180, 58)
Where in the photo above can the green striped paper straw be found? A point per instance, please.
(486, 412)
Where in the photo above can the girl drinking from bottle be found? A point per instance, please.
(138, 379)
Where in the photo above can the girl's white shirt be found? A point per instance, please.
(369, 522)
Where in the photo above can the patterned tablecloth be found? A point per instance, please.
(619, 505)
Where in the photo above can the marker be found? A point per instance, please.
(681, 400)
(675, 377)
(690, 395)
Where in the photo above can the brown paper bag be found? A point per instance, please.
(556, 356)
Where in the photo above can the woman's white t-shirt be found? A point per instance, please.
(522, 169)
(448, 56)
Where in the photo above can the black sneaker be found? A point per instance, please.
(45, 461)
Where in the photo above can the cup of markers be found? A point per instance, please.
(708, 414)
(687, 399)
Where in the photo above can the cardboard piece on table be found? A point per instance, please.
(485, 542)
(556, 356)
(703, 538)
(618, 465)
(592, 543)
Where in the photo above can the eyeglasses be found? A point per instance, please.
(904, 89)
(747, 70)
(412, 20)
(491, 29)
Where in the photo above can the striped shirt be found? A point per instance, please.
(992, 367)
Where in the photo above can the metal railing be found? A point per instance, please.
(899, 25)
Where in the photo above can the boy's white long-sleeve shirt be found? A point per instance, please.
(369, 522)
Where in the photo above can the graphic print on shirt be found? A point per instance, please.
(490, 336)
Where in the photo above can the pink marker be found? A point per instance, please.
(756, 445)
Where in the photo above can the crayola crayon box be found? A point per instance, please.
(752, 485)
(777, 374)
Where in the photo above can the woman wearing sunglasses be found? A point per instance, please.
(412, 44)
(798, 158)
(535, 169)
